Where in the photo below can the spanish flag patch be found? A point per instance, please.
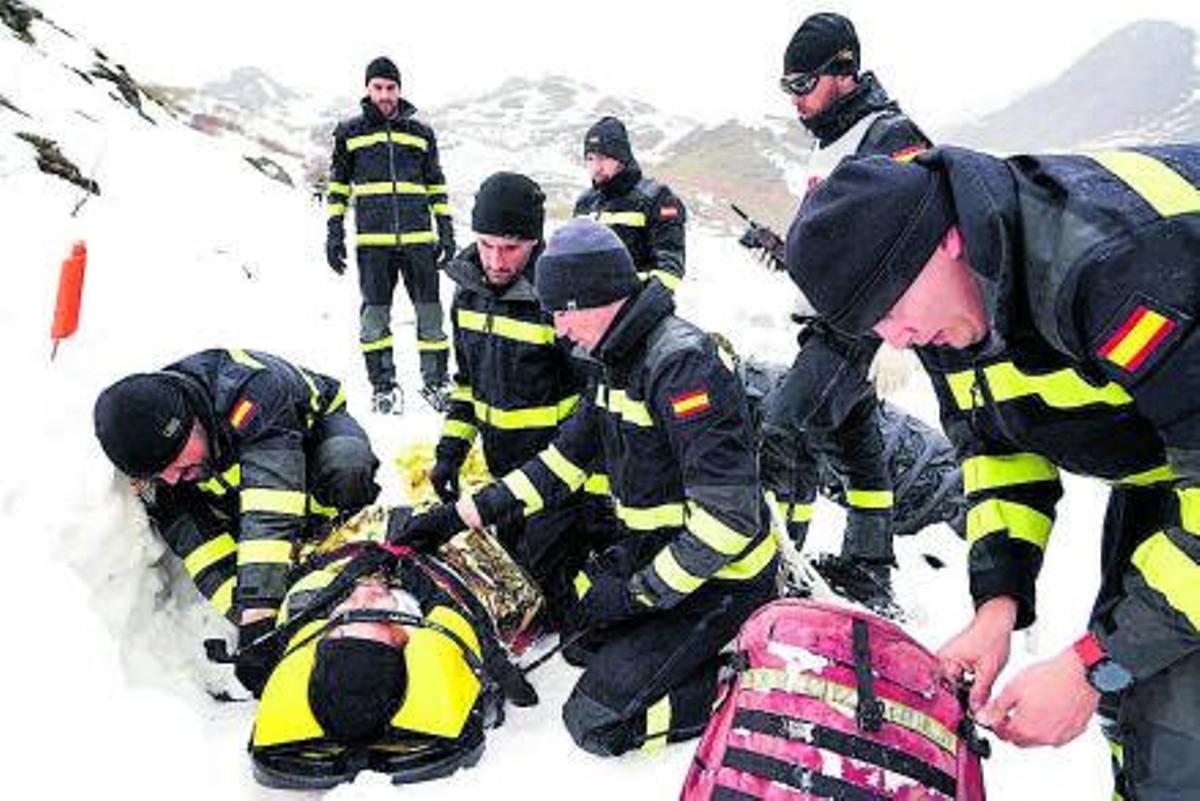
(668, 212)
(690, 404)
(909, 153)
(243, 410)
(1137, 338)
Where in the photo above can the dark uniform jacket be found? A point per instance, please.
(1090, 271)
(515, 381)
(390, 169)
(668, 421)
(648, 218)
(891, 132)
(236, 530)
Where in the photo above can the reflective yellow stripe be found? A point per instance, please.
(1022, 522)
(245, 359)
(209, 554)
(1167, 192)
(658, 723)
(335, 209)
(461, 392)
(648, 518)
(283, 502)
(433, 344)
(1005, 470)
(387, 188)
(441, 208)
(1171, 572)
(668, 279)
(533, 417)
(506, 327)
(319, 509)
(379, 137)
(752, 563)
(793, 512)
(1189, 509)
(582, 583)
(523, 488)
(566, 470)
(620, 404)
(222, 599)
(379, 344)
(436, 189)
(840, 696)
(264, 552)
(1062, 389)
(339, 400)
(870, 499)
(339, 189)
(231, 477)
(408, 238)
(1156, 475)
(634, 219)
(459, 430)
(713, 533)
(597, 484)
(673, 575)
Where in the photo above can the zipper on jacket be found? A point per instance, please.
(387, 127)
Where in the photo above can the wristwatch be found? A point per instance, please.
(1104, 674)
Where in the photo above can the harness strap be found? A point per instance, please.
(803, 779)
(868, 713)
(825, 738)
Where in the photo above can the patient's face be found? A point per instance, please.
(371, 594)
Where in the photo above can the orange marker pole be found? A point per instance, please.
(70, 295)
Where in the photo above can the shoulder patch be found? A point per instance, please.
(668, 212)
(908, 153)
(690, 404)
(241, 413)
(1140, 333)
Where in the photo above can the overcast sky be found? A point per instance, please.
(944, 60)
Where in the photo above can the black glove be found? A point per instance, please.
(444, 478)
(512, 682)
(446, 249)
(255, 663)
(335, 247)
(430, 529)
(607, 601)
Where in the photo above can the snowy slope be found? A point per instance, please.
(190, 247)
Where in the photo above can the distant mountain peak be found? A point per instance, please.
(250, 88)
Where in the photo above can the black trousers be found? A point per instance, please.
(380, 269)
(1153, 728)
(653, 680)
(553, 545)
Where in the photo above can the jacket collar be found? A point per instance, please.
(866, 98)
(638, 317)
(622, 182)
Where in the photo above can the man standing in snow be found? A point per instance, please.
(667, 420)
(827, 405)
(386, 162)
(644, 213)
(238, 456)
(1053, 301)
(515, 381)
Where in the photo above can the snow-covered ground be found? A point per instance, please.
(190, 247)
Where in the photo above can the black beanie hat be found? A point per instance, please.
(820, 39)
(584, 266)
(509, 204)
(863, 236)
(609, 137)
(143, 421)
(382, 67)
(355, 688)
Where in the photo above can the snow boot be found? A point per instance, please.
(868, 584)
(388, 401)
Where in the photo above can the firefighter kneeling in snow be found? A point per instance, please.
(666, 418)
(1053, 301)
(386, 661)
(238, 457)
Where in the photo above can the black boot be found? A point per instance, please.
(866, 583)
